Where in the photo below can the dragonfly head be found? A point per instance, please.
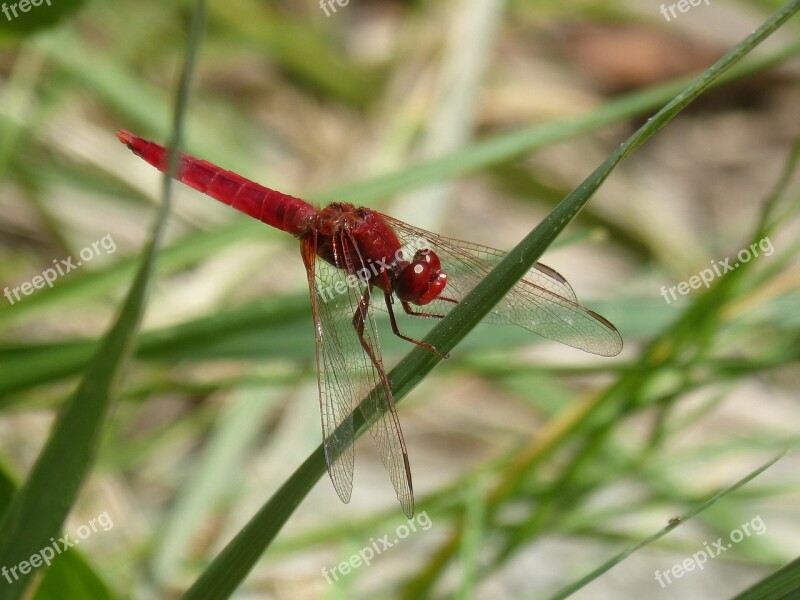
(420, 281)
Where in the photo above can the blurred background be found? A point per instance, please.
(533, 462)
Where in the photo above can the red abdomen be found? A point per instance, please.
(285, 212)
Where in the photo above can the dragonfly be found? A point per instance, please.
(357, 260)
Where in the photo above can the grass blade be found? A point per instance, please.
(615, 560)
(481, 155)
(510, 146)
(39, 508)
(72, 573)
(783, 584)
(230, 567)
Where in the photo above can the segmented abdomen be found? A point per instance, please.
(285, 212)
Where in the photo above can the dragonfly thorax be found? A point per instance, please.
(359, 241)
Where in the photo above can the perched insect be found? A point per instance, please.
(355, 255)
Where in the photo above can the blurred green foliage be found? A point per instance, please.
(274, 85)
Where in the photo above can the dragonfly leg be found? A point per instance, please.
(396, 331)
(358, 322)
(409, 311)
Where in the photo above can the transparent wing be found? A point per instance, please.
(350, 368)
(334, 379)
(542, 301)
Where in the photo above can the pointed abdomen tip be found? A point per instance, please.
(126, 137)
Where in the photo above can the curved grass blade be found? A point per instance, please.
(230, 567)
(510, 146)
(74, 575)
(451, 330)
(37, 511)
(491, 151)
(71, 572)
(783, 584)
(21, 23)
(615, 560)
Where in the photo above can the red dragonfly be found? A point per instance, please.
(353, 256)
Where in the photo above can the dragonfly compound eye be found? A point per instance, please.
(422, 280)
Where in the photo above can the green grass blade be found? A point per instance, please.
(72, 573)
(233, 564)
(15, 376)
(39, 508)
(615, 560)
(229, 568)
(783, 584)
(510, 146)
(211, 479)
(16, 22)
(472, 541)
(492, 151)
(451, 330)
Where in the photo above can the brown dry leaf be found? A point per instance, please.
(621, 57)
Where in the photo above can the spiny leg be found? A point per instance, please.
(381, 416)
(359, 319)
(409, 311)
(396, 331)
